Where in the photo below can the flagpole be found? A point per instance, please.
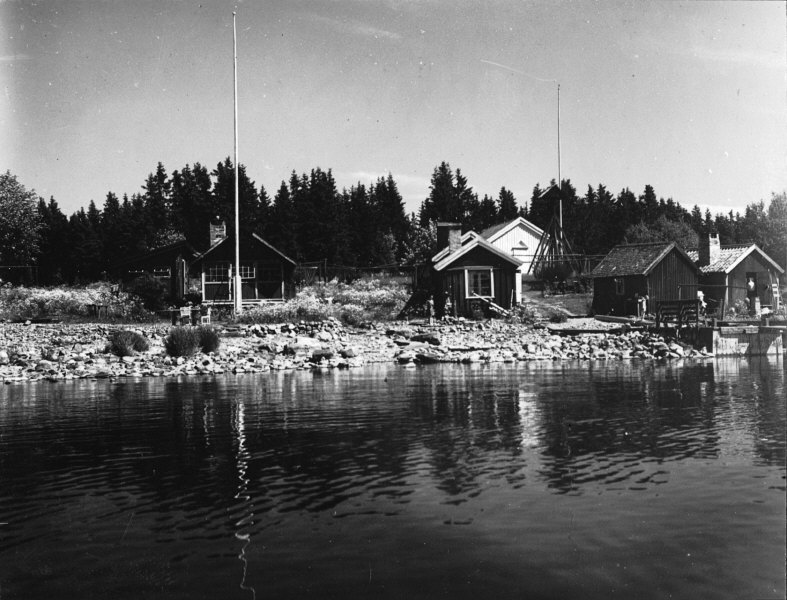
(238, 296)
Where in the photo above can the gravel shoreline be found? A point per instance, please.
(60, 352)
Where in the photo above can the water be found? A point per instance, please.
(545, 480)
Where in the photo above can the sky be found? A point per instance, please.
(688, 97)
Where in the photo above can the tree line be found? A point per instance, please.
(310, 219)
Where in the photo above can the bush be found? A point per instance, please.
(362, 301)
(182, 341)
(126, 343)
(151, 291)
(208, 338)
(558, 317)
(17, 302)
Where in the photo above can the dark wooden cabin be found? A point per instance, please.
(169, 264)
(469, 270)
(725, 271)
(658, 271)
(266, 273)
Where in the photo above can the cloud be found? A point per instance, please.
(769, 60)
(10, 58)
(357, 28)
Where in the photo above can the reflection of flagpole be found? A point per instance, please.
(238, 290)
(242, 495)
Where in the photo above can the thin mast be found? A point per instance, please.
(238, 296)
(559, 181)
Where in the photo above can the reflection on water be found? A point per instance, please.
(537, 480)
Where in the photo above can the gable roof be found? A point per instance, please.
(730, 257)
(490, 234)
(254, 237)
(466, 237)
(635, 259)
(470, 240)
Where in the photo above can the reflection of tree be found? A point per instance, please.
(611, 421)
(468, 421)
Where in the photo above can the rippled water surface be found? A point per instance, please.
(627, 480)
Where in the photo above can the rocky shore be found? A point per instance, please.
(55, 352)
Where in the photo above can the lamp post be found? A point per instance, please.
(238, 295)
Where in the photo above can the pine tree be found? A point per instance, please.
(507, 208)
(52, 259)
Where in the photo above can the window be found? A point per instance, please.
(247, 271)
(162, 272)
(479, 282)
(620, 286)
(217, 272)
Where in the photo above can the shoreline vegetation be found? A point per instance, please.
(324, 327)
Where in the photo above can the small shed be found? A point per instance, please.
(656, 271)
(470, 272)
(518, 237)
(726, 270)
(266, 273)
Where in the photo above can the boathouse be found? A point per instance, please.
(472, 275)
(725, 272)
(654, 271)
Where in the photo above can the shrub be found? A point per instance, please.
(150, 290)
(182, 341)
(363, 300)
(558, 317)
(208, 338)
(126, 343)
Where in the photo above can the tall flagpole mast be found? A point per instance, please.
(238, 296)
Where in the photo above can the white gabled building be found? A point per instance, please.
(518, 237)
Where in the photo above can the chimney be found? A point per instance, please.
(218, 231)
(449, 234)
(709, 250)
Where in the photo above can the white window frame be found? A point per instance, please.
(620, 286)
(469, 293)
(248, 270)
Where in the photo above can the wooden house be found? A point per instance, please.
(469, 270)
(518, 237)
(726, 270)
(168, 264)
(266, 273)
(656, 271)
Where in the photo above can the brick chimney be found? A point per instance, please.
(449, 234)
(709, 250)
(218, 231)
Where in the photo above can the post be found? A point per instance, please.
(238, 290)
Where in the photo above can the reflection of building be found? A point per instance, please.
(725, 271)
